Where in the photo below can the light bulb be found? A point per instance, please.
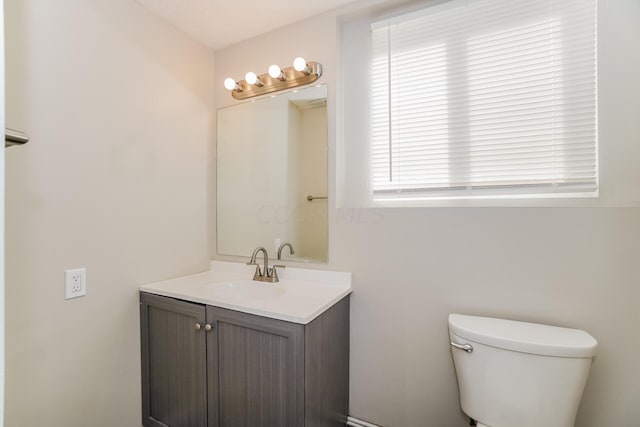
(229, 83)
(299, 64)
(275, 71)
(251, 78)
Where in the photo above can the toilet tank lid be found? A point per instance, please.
(524, 337)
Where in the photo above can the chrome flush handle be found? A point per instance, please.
(466, 347)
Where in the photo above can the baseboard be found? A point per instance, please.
(354, 422)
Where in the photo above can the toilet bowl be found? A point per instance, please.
(519, 374)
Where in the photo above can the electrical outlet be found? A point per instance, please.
(75, 283)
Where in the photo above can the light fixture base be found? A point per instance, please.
(293, 79)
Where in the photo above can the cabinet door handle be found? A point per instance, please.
(208, 327)
(198, 326)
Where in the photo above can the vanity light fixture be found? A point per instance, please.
(231, 84)
(299, 64)
(301, 73)
(276, 73)
(252, 79)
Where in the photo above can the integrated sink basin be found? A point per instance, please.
(300, 296)
(248, 289)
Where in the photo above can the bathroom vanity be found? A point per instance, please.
(219, 350)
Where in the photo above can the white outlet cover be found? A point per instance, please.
(75, 283)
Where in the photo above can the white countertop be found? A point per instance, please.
(299, 297)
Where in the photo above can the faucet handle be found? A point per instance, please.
(258, 274)
(274, 273)
(258, 271)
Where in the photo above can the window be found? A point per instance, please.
(485, 98)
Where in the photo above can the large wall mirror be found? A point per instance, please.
(272, 176)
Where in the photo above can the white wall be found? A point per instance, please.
(2, 244)
(313, 224)
(571, 266)
(291, 161)
(114, 179)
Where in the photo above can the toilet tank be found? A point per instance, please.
(520, 374)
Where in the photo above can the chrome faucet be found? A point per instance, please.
(266, 274)
(291, 251)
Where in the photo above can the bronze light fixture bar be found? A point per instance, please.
(300, 74)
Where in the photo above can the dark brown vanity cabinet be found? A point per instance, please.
(174, 363)
(205, 366)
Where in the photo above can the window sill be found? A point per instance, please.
(511, 200)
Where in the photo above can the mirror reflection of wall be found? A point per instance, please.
(272, 155)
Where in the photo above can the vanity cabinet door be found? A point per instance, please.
(256, 370)
(173, 362)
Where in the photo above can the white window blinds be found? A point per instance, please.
(485, 97)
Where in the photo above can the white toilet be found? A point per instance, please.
(517, 374)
